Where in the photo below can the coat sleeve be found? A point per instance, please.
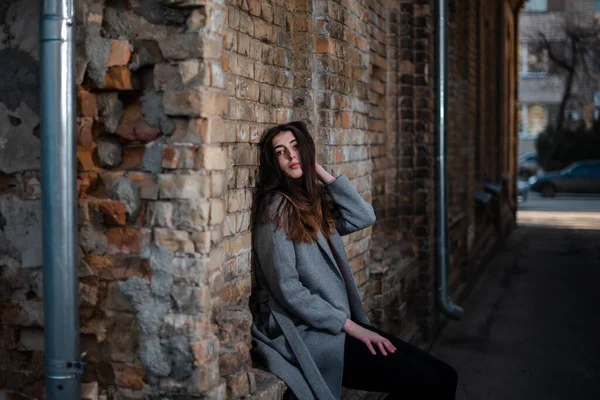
(354, 212)
(277, 260)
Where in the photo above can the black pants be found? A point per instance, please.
(409, 373)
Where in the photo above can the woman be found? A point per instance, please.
(310, 328)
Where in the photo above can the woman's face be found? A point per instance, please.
(287, 154)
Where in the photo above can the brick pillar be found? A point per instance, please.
(424, 171)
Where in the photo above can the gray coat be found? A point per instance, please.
(305, 294)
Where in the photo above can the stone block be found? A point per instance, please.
(130, 376)
(211, 158)
(110, 110)
(88, 294)
(201, 242)
(236, 289)
(173, 240)
(183, 103)
(194, 326)
(109, 151)
(190, 299)
(218, 183)
(126, 190)
(182, 157)
(31, 339)
(217, 211)
(89, 391)
(188, 271)
(147, 184)
(116, 299)
(183, 46)
(160, 213)
(238, 385)
(204, 378)
(183, 186)
(191, 215)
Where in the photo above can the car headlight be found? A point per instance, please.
(532, 180)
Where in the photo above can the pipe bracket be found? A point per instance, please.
(63, 367)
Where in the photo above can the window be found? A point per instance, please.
(582, 171)
(597, 6)
(534, 60)
(536, 6)
(533, 119)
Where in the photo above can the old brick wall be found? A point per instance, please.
(173, 96)
(151, 180)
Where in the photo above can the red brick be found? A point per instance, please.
(127, 240)
(325, 45)
(120, 53)
(113, 267)
(133, 157)
(133, 126)
(86, 182)
(85, 160)
(113, 211)
(87, 104)
(119, 78)
(85, 132)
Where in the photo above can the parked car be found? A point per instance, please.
(579, 177)
(523, 190)
(528, 165)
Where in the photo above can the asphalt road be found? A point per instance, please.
(531, 328)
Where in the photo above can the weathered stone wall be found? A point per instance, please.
(173, 96)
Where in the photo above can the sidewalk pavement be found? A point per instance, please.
(531, 328)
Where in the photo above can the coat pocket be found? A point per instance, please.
(274, 330)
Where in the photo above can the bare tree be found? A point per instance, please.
(575, 58)
(572, 46)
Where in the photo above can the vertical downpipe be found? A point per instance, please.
(59, 200)
(441, 210)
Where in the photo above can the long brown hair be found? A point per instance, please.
(307, 209)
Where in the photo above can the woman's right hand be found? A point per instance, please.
(369, 338)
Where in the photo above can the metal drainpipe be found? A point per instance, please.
(441, 212)
(59, 200)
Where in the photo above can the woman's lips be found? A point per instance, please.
(295, 165)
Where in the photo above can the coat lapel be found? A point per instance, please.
(325, 248)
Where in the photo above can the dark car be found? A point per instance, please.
(579, 177)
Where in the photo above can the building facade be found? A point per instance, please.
(172, 98)
(542, 81)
